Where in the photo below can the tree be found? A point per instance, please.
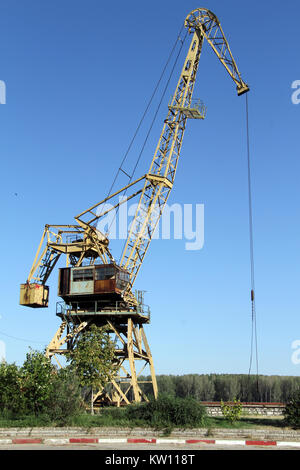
(66, 400)
(166, 384)
(39, 388)
(10, 388)
(222, 387)
(231, 411)
(292, 411)
(93, 358)
(37, 375)
(204, 388)
(184, 385)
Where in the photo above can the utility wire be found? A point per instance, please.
(159, 104)
(21, 339)
(156, 113)
(253, 307)
(178, 38)
(144, 115)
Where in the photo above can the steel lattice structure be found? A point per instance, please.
(82, 242)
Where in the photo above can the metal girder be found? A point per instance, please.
(57, 341)
(208, 25)
(163, 166)
(132, 356)
(205, 25)
(57, 240)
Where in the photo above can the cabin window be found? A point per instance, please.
(82, 275)
(123, 276)
(122, 280)
(104, 273)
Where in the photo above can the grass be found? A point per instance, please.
(165, 413)
(111, 417)
(30, 421)
(248, 422)
(117, 417)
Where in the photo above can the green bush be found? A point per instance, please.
(168, 411)
(37, 382)
(232, 411)
(292, 411)
(38, 392)
(10, 389)
(65, 400)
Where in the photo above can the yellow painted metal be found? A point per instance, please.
(83, 241)
(34, 295)
(131, 359)
(163, 166)
(55, 346)
(204, 25)
(208, 25)
(157, 183)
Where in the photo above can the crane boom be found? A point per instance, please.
(210, 27)
(156, 185)
(162, 170)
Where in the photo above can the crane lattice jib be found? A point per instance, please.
(163, 166)
(209, 25)
(157, 184)
(153, 198)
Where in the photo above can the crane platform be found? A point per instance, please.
(196, 110)
(139, 314)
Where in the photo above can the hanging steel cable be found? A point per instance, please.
(253, 346)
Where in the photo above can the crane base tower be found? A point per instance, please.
(132, 352)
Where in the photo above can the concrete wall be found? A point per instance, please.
(257, 409)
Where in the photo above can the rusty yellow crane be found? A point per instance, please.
(95, 289)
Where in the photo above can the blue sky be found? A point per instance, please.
(78, 77)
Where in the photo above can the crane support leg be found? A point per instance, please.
(132, 356)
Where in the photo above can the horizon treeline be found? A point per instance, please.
(226, 387)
